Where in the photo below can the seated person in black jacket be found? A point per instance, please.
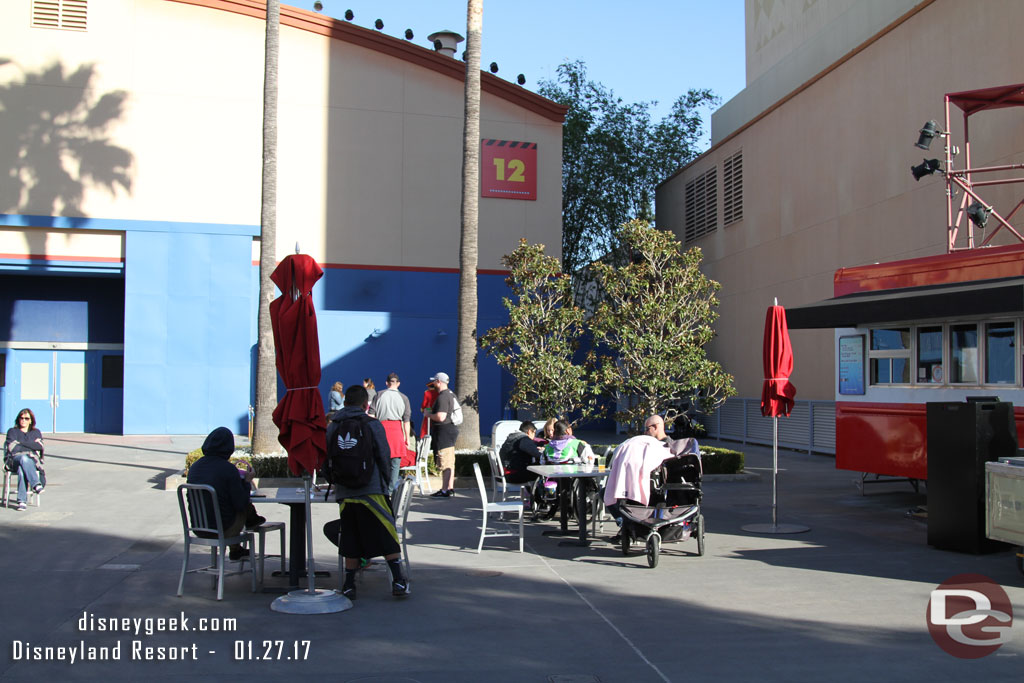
(519, 452)
(230, 483)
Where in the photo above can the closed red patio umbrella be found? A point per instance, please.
(777, 398)
(300, 414)
(777, 392)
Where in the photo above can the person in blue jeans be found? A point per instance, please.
(23, 454)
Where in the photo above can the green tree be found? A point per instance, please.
(466, 344)
(543, 333)
(264, 436)
(653, 321)
(613, 157)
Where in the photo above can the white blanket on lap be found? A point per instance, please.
(631, 467)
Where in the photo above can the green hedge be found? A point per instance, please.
(714, 460)
(265, 466)
(721, 460)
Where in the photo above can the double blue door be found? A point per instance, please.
(64, 389)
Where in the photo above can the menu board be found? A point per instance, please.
(851, 365)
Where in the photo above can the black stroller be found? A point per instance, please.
(673, 510)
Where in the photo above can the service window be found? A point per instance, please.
(963, 353)
(929, 355)
(890, 355)
(999, 353)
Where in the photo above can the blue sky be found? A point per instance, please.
(643, 50)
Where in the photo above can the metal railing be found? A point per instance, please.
(810, 427)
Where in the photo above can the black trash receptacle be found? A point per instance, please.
(962, 437)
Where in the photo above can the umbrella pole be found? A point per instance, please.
(775, 470)
(310, 562)
(310, 601)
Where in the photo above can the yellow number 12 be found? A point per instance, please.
(517, 168)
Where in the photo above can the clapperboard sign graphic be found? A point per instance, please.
(508, 169)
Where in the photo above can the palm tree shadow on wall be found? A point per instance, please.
(56, 140)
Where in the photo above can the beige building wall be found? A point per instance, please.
(369, 149)
(826, 171)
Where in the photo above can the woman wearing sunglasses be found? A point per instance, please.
(23, 454)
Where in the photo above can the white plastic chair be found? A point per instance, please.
(199, 499)
(7, 490)
(496, 507)
(500, 431)
(419, 470)
(498, 483)
(404, 496)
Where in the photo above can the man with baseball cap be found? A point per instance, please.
(445, 433)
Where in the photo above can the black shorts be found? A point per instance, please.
(368, 528)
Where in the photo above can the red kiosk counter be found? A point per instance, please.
(935, 329)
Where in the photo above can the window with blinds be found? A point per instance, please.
(732, 189)
(62, 14)
(701, 197)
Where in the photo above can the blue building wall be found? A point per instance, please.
(184, 305)
(61, 309)
(187, 331)
(375, 321)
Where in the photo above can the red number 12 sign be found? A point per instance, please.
(508, 169)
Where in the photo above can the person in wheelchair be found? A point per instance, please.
(565, 449)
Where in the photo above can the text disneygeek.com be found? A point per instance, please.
(136, 648)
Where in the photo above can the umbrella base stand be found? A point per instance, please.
(768, 528)
(319, 601)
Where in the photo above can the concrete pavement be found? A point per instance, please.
(844, 601)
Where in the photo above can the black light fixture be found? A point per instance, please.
(494, 67)
(928, 131)
(521, 79)
(318, 6)
(926, 167)
(408, 34)
(978, 213)
(349, 15)
(379, 25)
(438, 45)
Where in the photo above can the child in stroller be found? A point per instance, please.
(564, 448)
(657, 492)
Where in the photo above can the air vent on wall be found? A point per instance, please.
(732, 194)
(60, 14)
(701, 198)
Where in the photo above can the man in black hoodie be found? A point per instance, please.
(519, 452)
(230, 483)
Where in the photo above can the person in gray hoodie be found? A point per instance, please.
(367, 522)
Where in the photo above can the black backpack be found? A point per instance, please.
(349, 461)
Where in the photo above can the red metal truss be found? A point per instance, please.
(972, 102)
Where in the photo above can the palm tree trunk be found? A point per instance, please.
(264, 437)
(466, 345)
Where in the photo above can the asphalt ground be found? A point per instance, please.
(845, 601)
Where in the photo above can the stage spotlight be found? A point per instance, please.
(978, 213)
(927, 132)
(926, 167)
